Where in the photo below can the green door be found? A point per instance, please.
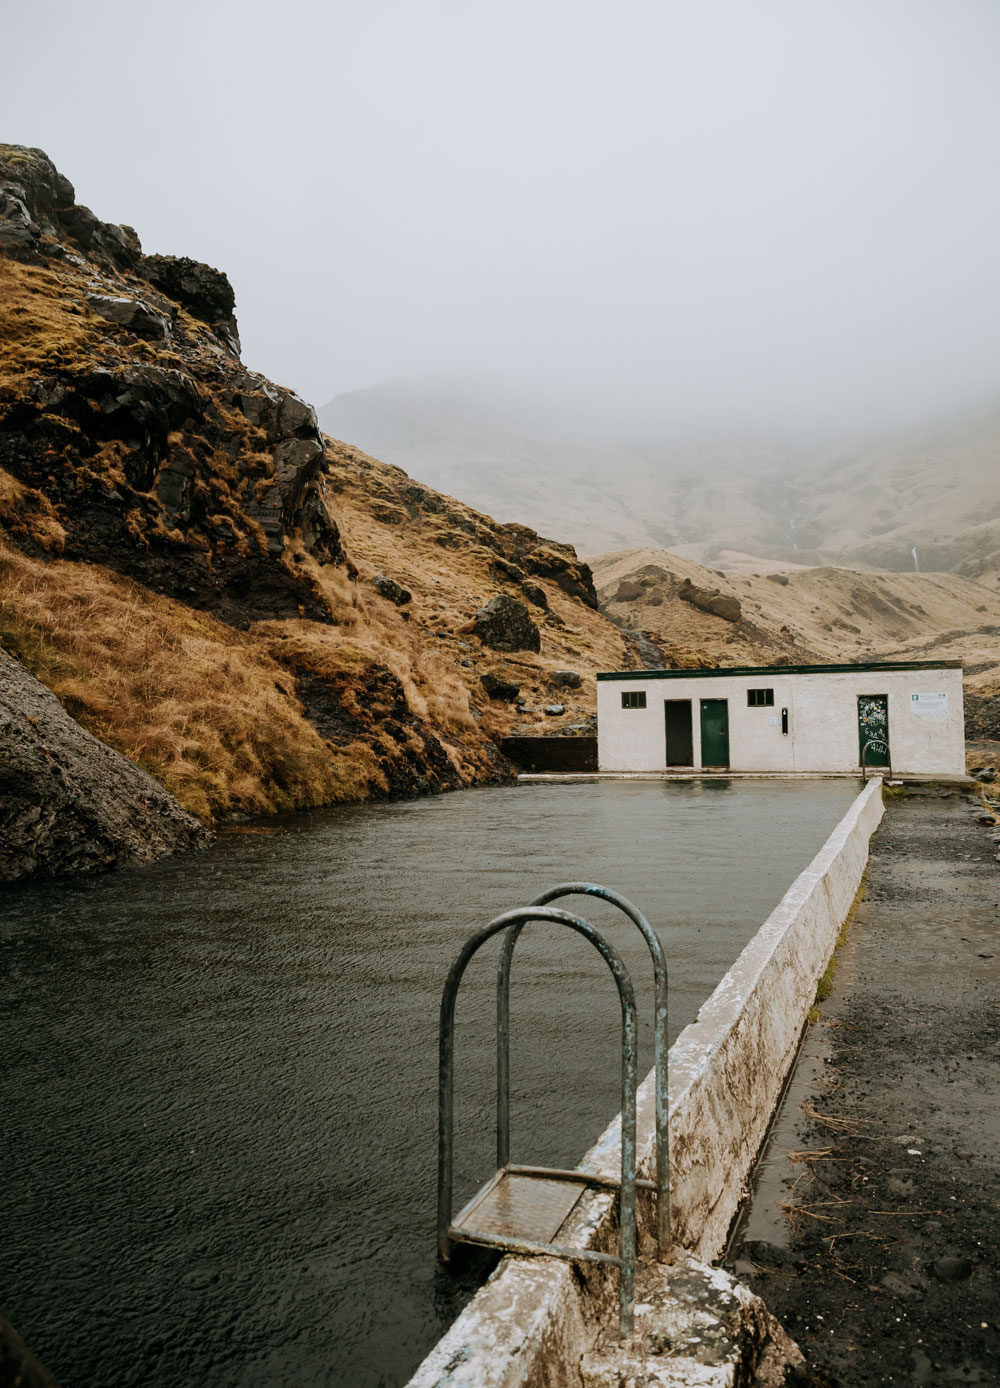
(873, 729)
(715, 732)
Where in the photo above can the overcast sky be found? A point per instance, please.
(719, 210)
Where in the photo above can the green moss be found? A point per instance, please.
(825, 984)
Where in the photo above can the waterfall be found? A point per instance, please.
(913, 551)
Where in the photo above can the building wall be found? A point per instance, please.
(822, 721)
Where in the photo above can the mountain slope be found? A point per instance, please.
(818, 614)
(194, 569)
(723, 503)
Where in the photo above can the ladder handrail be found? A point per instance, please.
(446, 1085)
(660, 1042)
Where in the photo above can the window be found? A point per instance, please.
(634, 699)
(760, 698)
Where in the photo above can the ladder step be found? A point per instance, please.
(516, 1206)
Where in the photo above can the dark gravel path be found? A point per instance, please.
(874, 1228)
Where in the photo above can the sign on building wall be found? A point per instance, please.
(933, 704)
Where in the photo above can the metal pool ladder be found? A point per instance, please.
(521, 1208)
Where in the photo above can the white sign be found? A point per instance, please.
(934, 704)
(774, 722)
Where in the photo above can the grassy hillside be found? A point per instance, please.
(211, 585)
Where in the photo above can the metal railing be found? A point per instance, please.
(660, 1044)
(449, 1232)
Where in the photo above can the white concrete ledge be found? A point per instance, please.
(531, 1323)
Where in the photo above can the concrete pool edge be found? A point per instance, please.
(529, 1324)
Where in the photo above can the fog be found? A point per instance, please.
(680, 214)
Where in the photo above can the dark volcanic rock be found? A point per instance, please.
(628, 591)
(68, 803)
(162, 458)
(499, 688)
(535, 593)
(18, 1366)
(132, 314)
(36, 200)
(389, 588)
(567, 572)
(205, 292)
(504, 624)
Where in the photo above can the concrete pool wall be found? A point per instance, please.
(533, 1319)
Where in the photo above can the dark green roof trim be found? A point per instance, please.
(719, 672)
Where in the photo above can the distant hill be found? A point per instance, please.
(725, 504)
(799, 615)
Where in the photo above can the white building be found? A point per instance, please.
(906, 715)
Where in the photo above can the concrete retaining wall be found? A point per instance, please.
(530, 1324)
(551, 753)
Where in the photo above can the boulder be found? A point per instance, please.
(566, 679)
(711, 600)
(133, 314)
(554, 710)
(505, 624)
(390, 589)
(535, 593)
(68, 802)
(497, 687)
(628, 591)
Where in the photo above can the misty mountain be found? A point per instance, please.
(730, 504)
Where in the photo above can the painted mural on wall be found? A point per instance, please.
(873, 729)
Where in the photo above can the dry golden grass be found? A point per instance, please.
(25, 511)
(45, 324)
(204, 708)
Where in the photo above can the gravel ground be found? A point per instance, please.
(872, 1234)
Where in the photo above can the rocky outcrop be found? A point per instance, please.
(711, 600)
(204, 292)
(133, 431)
(135, 444)
(505, 624)
(504, 690)
(628, 591)
(69, 803)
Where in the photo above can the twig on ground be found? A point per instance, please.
(830, 1120)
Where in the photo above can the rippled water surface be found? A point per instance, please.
(218, 1075)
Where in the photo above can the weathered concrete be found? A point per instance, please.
(925, 717)
(695, 1327)
(873, 1229)
(726, 1073)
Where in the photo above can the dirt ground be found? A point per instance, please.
(873, 1231)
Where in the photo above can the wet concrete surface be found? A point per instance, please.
(218, 1078)
(872, 1235)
